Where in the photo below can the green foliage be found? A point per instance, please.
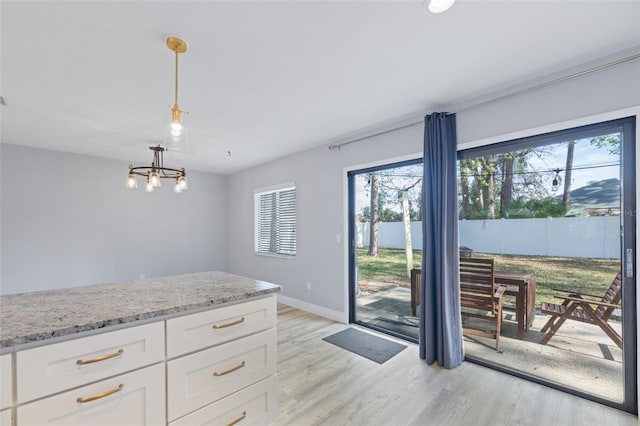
(536, 208)
(611, 142)
(384, 215)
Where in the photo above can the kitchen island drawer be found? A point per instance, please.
(255, 405)
(135, 398)
(198, 331)
(57, 367)
(5, 381)
(196, 380)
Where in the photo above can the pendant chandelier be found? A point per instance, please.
(157, 170)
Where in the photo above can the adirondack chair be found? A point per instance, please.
(587, 308)
(479, 296)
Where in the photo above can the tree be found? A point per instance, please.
(374, 221)
(488, 189)
(566, 194)
(465, 172)
(506, 189)
(611, 142)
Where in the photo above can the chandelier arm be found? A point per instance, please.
(144, 171)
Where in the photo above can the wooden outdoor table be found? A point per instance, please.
(523, 287)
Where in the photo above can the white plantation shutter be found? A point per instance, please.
(275, 216)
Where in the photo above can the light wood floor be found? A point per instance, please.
(321, 384)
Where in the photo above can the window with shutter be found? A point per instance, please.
(275, 220)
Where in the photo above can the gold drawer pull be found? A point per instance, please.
(99, 358)
(229, 324)
(231, 370)
(239, 419)
(82, 400)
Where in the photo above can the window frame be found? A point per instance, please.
(257, 194)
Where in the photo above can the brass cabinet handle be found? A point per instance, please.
(239, 419)
(229, 324)
(231, 370)
(99, 358)
(82, 400)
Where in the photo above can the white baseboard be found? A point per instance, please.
(314, 309)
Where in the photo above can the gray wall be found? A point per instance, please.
(67, 220)
(319, 173)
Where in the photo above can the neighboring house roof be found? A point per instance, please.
(596, 197)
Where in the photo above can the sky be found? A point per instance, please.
(590, 164)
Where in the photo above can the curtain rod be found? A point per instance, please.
(499, 98)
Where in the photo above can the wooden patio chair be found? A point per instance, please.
(479, 295)
(587, 308)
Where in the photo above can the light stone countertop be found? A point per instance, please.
(42, 315)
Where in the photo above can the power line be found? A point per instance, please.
(535, 171)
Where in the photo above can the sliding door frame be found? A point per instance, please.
(627, 127)
(351, 212)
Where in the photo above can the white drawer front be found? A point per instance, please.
(255, 405)
(5, 417)
(196, 380)
(53, 368)
(140, 401)
(5, 381)
(197, 331)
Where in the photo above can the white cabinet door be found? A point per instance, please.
(135, 398)
(255, 405)
(5, 381)
(48, 369)
(196, 380)
(204, 329)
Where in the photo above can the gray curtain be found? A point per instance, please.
(440, 319)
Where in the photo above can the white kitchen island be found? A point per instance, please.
(187, 349)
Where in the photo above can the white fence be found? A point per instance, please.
(591, 236)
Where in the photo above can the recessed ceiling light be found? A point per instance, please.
(438, 6)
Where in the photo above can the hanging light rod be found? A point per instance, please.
(155, 172)
(176, 139)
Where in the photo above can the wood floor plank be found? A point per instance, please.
(322, 384)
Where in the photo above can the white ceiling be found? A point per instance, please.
(266, 79)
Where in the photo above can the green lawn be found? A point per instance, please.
(576, 274)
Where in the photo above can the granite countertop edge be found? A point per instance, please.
(41, 335)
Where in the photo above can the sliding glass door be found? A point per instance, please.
(386, 245)
(555, 213)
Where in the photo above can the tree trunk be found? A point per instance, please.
(488, 196)
(406, 218)
(506, 191)
(464, 189)
(374, 219)
(566, 194)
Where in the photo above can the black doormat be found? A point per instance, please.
(366, 345)
(404, 328)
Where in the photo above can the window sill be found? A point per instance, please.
(279, 256)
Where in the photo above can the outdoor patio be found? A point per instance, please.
(579, 355)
